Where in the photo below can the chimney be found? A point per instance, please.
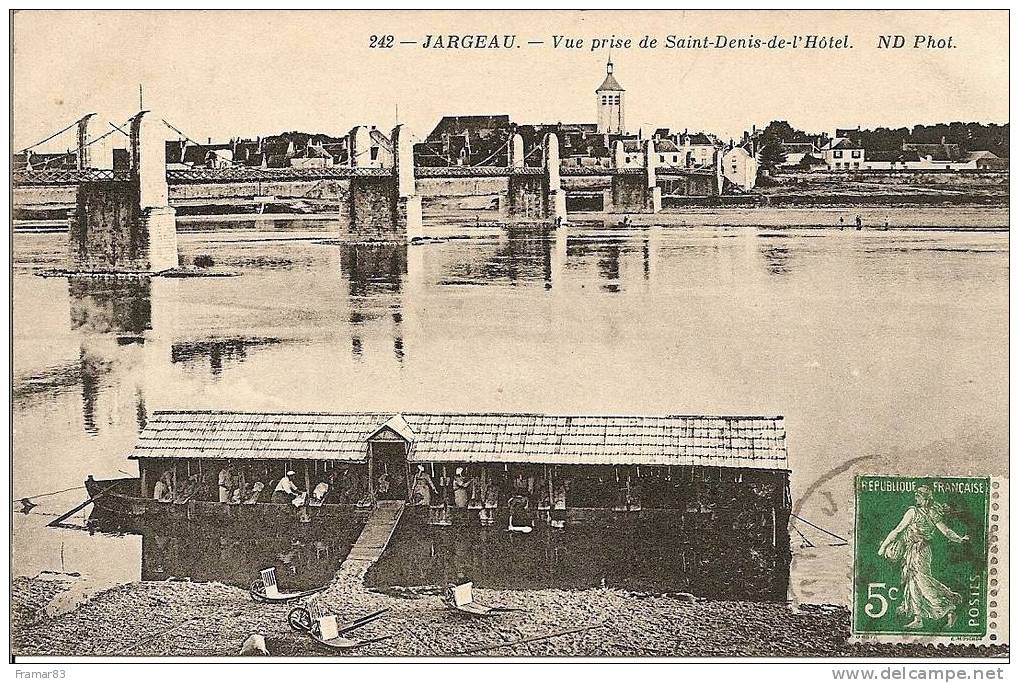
(210, 141)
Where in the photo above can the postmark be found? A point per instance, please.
(921, 557)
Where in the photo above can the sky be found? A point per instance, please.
(221, 74)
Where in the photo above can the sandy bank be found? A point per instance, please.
(186, 619)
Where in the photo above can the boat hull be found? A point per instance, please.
(119, 502)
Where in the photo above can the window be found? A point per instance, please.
(837, 154)
(856, 154)
(856, 164)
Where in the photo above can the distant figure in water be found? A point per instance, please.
(859, 222)
(842, 223)
(886, 224)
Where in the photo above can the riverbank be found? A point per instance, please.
(187, 619)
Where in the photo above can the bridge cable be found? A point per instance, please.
(449, 162)
(69, 154)
(492, 156)
(185, 135)
(62, 130)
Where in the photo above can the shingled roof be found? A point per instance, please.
(749, 442)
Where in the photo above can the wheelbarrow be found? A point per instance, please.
(461, 598)
(266, 590)
(325, 630)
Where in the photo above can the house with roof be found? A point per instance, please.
(795, 151)
(739, 167)
(983, 160)
(313, 156)
(475, 140)
(842, 154)
(207, 156)
(891, 160)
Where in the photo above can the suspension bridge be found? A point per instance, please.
(122, 220)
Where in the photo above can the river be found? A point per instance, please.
(886, 350)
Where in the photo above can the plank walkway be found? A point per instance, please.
(377, 531)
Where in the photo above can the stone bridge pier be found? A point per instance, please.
(537, 196)
(127, 225)
(384, 205)
(637, 191)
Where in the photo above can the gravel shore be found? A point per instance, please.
(190, 619)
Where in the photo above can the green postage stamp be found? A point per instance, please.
(921, 563)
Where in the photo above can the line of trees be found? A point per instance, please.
(969, 136)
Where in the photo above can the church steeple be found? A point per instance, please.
(610, 103)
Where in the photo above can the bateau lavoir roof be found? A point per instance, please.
(721, 441)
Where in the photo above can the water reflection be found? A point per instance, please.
(218, 353)
(111, 305)
(305, 556)
(375, 273)
(776, 258)
(627, 553)
(610, 254)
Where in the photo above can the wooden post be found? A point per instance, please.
(142, 472)
(307, 478)
(371, 471)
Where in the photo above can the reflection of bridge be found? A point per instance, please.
(123, 221)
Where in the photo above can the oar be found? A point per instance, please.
(363, 621)
(61, 518)
(362, 643)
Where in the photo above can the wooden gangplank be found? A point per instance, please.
(377, 531)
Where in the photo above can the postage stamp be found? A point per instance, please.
(921, 557)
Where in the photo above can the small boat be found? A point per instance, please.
(461, 599)
(120, 500)
(326, 632)
(266, 590)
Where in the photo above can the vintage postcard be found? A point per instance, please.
(510, 334)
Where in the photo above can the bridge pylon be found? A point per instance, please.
(383, 205)
(128, 225)
(540, 195)
(84, 158)
(637, 191)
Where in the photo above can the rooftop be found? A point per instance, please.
(721, 441)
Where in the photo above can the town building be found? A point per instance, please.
(795, 151)
(477, 140)
(842, 154)
(739, 167)
(611, 104)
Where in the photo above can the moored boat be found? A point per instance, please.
(722, 476)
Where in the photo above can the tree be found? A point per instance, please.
(782, 131)
(771, 154)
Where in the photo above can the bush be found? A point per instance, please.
(204, 261)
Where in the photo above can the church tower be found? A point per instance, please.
(610, 104)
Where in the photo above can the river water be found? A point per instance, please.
(886, 350)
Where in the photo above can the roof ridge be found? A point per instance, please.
(392, 414)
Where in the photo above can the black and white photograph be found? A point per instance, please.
(548, 336)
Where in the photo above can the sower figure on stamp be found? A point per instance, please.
(909, 543)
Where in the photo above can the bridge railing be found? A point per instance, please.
(236, 174)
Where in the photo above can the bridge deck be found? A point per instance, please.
(245, 174)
